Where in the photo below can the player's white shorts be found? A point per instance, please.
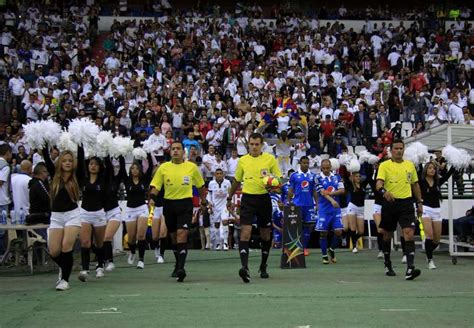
(355, 210)
(377, 209)
(343, 211)
(217, 216)
(95, 218)
(433, 213)
(158, 213)
(133, 213)
(60, 220)
(114, 214)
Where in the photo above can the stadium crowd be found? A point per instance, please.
(210, 82)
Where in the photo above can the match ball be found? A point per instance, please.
(271, 182)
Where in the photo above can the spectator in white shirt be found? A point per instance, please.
(20, 191)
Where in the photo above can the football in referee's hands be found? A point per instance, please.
(271, 182)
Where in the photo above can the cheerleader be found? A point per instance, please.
(136, 214)
(355, 208)
(92, 216)
(430, 184)
(377, 213)
(113, 213)
(66, 216)
(159, 231)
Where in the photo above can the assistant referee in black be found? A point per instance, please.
(178, 177)
(397, 181)
(255, 202)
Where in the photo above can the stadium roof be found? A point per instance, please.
(462, 136)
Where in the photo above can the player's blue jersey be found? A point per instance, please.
(284, 192)
(277, 214)
(330, 183)
(303, 186)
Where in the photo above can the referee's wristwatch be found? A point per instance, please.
(419, 202)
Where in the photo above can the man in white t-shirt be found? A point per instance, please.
(5, 200)
(232, 164)
(20, 193)
(218, 191)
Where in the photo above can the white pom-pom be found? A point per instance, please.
(122, 146)
(34, 135)
(150, 146)
(65, 142)
(105, 141)
(52, 132)
(417, 153)
(456, 157)
(344, 159)
(139, 153)
(334, 164)
(354, 166)
(83, 131)
(373, 159)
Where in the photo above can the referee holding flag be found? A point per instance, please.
(178, 177)
(397, 181)
(255, 201)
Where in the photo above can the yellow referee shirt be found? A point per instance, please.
(398, 177)
(177, 179)
(250, 170)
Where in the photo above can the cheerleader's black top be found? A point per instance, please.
(62, 202)
(137, 192)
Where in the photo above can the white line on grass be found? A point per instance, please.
(100, 312)
(398, 310)
(349, 282)
(131, 295)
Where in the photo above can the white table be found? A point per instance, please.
(28, 241)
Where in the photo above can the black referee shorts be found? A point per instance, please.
(400, 211)
(178, 213)
(256, 206)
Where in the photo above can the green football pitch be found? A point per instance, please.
(352, 293)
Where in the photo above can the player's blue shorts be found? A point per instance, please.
(329, 220)
(307, 213)
(277, 236)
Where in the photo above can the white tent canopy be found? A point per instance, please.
(460, 136)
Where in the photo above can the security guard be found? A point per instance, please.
(256, 202)
(178, 177)
(397, 181)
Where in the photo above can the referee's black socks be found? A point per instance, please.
(266, 245)
(244, 253)
(403, 243)
(410, 249)
(182, 253)
(386, 248)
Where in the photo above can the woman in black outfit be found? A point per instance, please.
(136, 215)
(113, 213)
(92, 216)
(66, 215)
(430, 184)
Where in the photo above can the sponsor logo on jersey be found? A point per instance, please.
(304, 184)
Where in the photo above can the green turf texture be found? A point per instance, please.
(352, 293)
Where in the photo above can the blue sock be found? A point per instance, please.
(335, 242)
(306, 236)
(323, 243)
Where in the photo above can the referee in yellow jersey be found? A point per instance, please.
(397, 181)
(178, 177)
(255, 201)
